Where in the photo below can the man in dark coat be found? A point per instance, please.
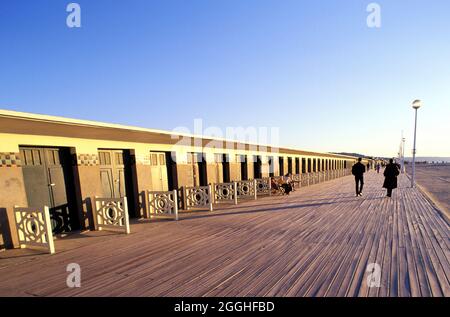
(390, 177)
(358, 171)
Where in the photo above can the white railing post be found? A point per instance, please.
(210, 197)
(255, 189)
(147, 204)
(235, 193)
(213, 193)
(48, 231)
(126, 217)
(97, 224)
(175, 204)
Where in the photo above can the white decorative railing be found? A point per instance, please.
(160, 203)
(246, 189)
(263, 186)
(198, 197)
(297, 178)
(315, 177)
(305, 179)
(225, 192)
(111, 214)
(34, 228)
(331, 174)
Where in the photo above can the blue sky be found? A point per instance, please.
(312, 68)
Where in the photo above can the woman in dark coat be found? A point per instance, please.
(390, 177)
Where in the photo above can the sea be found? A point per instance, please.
(430, 159)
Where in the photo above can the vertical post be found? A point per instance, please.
(403, 154)
(185, 206)
(97, 224)
(148, 209)
(255, 189)
(210, 197)
(19, 232)
(48, 231)
(125, 216)
(175, 204)
(270, 186)
(413, 178)
(235, 193)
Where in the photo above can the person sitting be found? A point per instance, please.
(276, 187)
(290, 180)
(274, 184)
(287, 184)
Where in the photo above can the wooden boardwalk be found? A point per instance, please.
(316, 242)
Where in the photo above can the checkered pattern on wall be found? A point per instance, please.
(87, 160)
(10, 159)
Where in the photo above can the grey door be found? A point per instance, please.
(112, 174)
(45, 177)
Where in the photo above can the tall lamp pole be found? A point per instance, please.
(403, 155)
(416, 105)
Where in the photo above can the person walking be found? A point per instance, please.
(390, 177)
(378, 167)
(358, 171)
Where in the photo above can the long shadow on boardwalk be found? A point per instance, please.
(284, 208)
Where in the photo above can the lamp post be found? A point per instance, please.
(403, 155)
(416, 105)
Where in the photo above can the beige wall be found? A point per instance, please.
(90, 186)
(235, 171)
(12, 192)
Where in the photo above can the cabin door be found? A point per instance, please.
(112, 173)
(49, 182)
(159, 172)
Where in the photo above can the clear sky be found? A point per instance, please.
(312, 68)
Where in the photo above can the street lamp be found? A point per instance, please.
(403, 155)
(416, 105)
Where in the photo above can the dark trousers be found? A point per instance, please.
(359, 180)
(389, 192)
(287, 188)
